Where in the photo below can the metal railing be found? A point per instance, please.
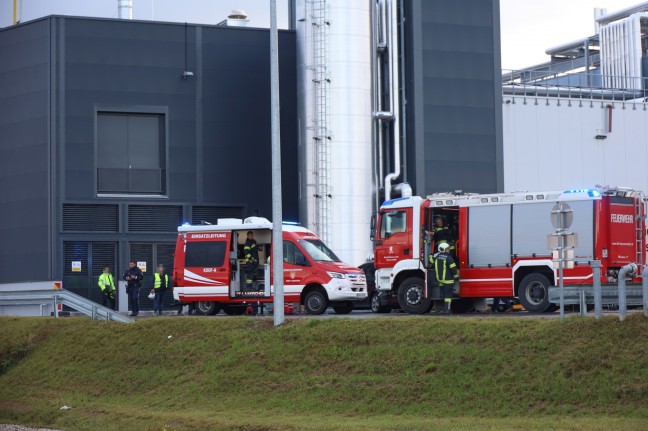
(60, 296)
(579, 86)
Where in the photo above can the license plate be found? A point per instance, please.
(359, 295)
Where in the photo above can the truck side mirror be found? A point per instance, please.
(372, 229)
(300, 260)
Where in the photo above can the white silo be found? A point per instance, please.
(334, 50)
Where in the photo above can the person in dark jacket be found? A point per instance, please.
(441, 232)
(160, 286)
(133, 278)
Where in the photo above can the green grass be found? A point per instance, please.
(328, 374)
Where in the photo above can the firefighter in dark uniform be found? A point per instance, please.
(251, 252)
(446, 273)
(440, 232)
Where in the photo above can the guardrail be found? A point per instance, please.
(64, 297)
(622, 294)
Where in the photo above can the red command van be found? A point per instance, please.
(209, 269)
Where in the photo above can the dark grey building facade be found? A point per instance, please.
(454, 100)
(105, 148)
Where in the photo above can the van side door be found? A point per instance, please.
(207, 260)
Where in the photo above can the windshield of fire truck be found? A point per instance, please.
(318, 251)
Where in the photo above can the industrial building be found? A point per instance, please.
(113, 131)
(580, 119)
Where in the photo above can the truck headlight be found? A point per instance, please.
(336, 274)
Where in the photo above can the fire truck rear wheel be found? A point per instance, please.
(207, 308)
(343, 307)
(534, 293)
(410, 296)
(315, 302)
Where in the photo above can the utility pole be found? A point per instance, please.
(277, 217)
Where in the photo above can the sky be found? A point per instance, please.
(528, 27)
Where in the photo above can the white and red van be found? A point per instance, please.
(209, 269)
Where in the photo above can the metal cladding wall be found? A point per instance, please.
(550, 144)
(216, 137)
(453, 86)
(24, 153)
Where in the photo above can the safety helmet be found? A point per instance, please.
(151, 295)
(443, 246)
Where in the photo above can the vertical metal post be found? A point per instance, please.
(582, 299)
(561, 254)
(598, 302)
(622, 296)
(644, 284)
(277, 238)
(56, 315)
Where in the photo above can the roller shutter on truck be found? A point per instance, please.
(532, 224)
(489, 235)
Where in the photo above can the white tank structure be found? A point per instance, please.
(335, 123)
(125, 9)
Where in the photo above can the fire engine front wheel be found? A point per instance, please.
(410, 296)
(315, 302)
(534, 293)
(207, 308)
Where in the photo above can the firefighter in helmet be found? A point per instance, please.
(251, 252)
(446, 273)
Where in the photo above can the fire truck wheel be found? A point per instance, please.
(315, 302)
(234, 310)
(534, 293)
(410, 296)
(375, 305)
(207, 308)
(343, 307)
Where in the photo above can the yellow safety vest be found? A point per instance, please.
(106, 280)
(158, 281)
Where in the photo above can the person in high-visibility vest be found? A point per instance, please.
(160, 285)
(107, 286)
(446, 274)
(251, 253)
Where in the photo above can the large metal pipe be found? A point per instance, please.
(125, 9)
(627, 270)
(623, 13)
(395, 108)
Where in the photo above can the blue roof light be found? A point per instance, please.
(392, 201)
(590, 192)
(185, 224)
(292, 223)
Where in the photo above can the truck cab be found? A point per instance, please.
(210, 269)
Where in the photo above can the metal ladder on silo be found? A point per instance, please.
(321, 135)
(640, 244)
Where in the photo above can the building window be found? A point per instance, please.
(131, 155)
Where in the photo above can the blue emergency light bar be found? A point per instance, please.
(590, 192)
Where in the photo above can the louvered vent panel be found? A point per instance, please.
(103, 253)
(212, 214)
(90, 218)
(154, 218)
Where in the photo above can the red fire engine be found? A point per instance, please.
(501, 244)
(209, 269)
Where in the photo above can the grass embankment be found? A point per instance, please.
(408, 373)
